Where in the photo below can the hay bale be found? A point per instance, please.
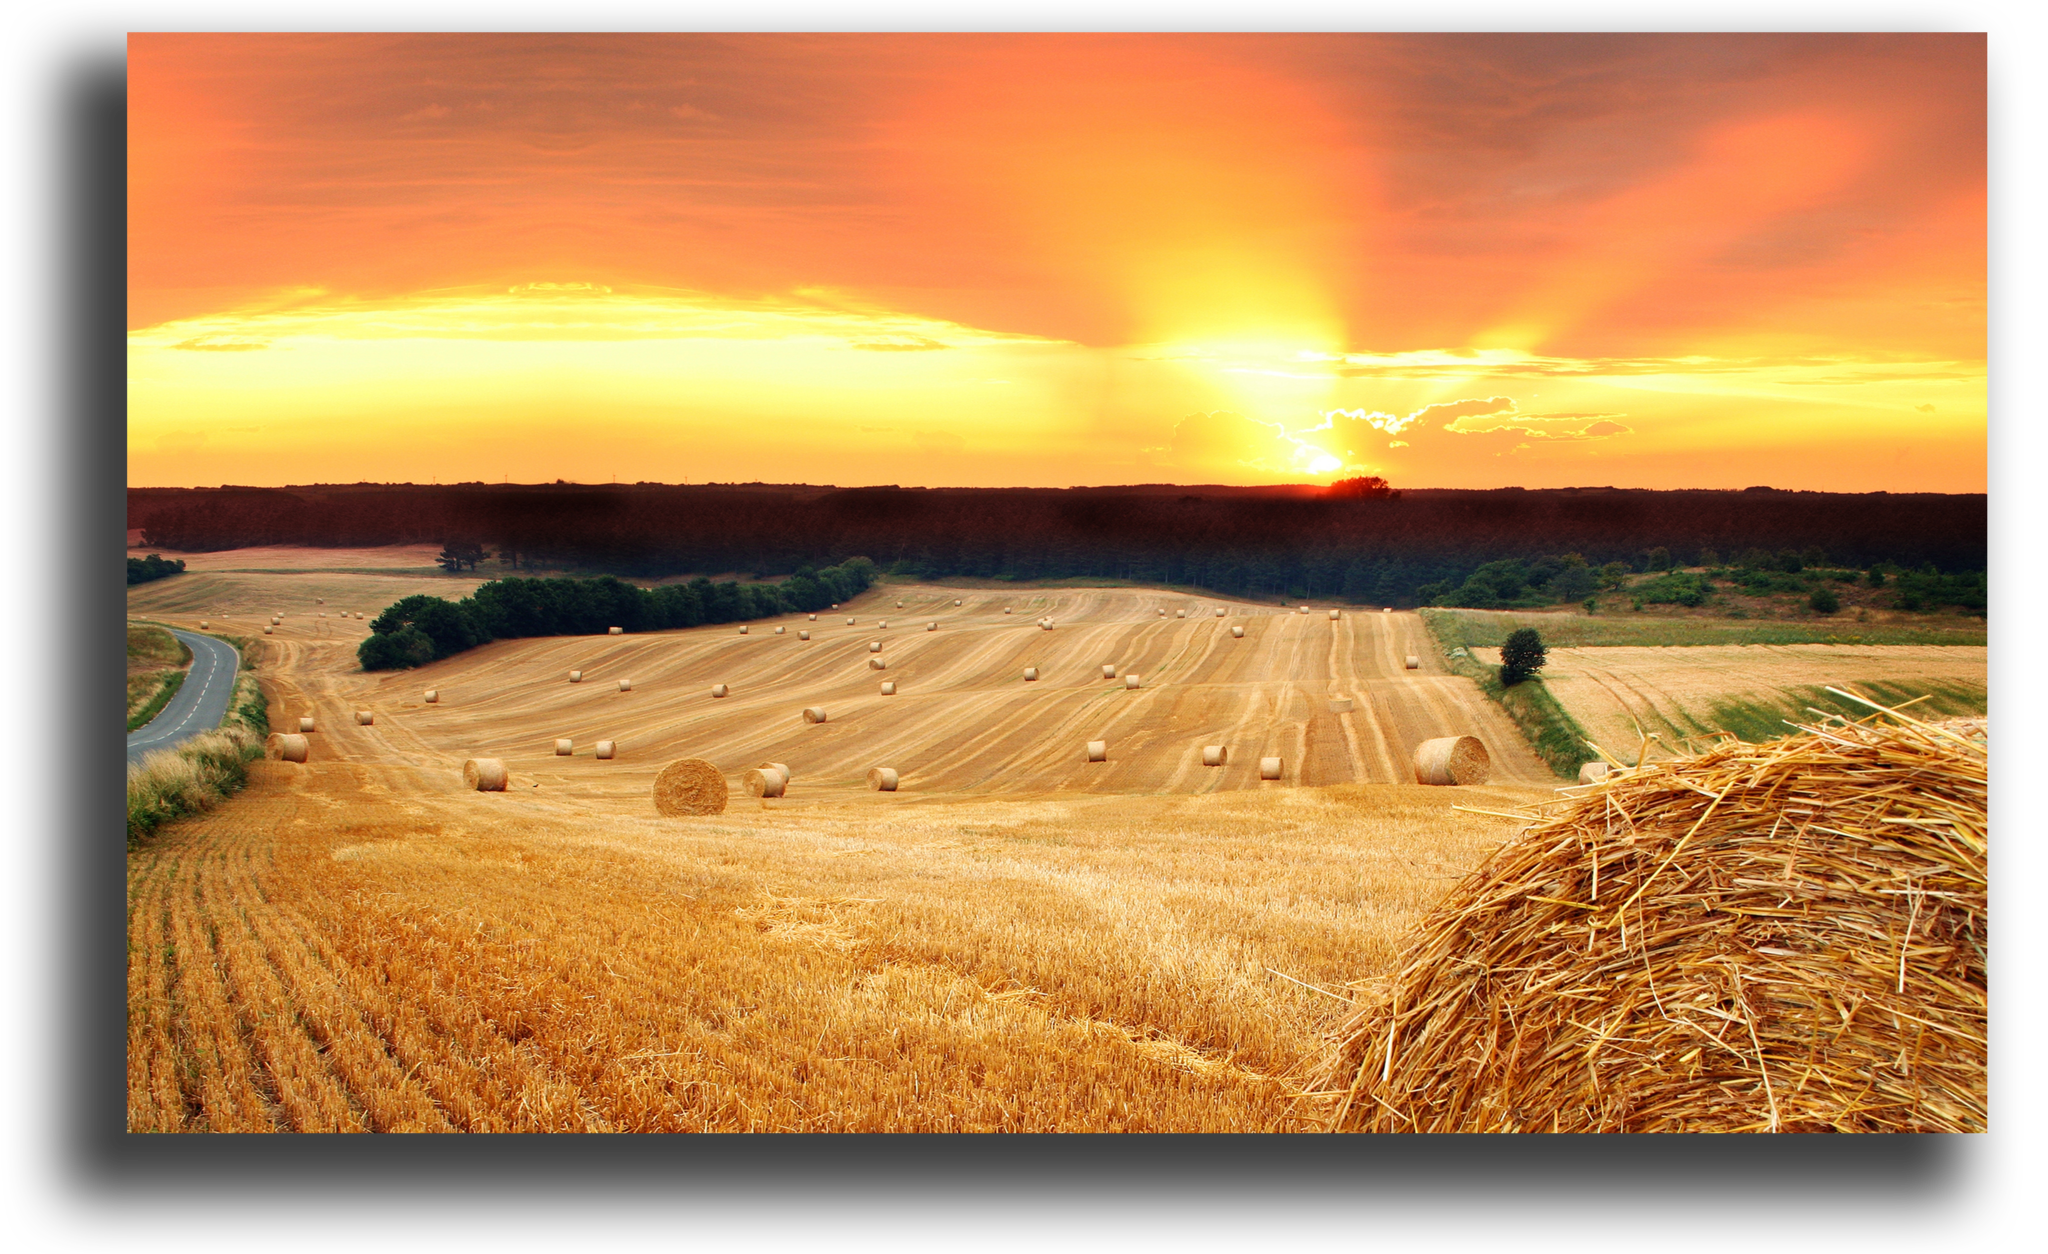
(932, 626)
(1333, 616)
(616, 631)
(287, 747)
(1219, 611)
(874, 646)
(575, 677)
(743, 629)
(781, 630)
(888, 687)
(365, 718)
(1593, 772)
(202, 624)
(719, 690)
(1162, 613)
(883, 625)
(485, 774)
(764, 782)
(1046, 625)
(359, 615)
(1108, 671)
(1098, 751)
(814, 618)
(1237, 633)
(882, 779)
(306, 723)
(564, 747)
(1450, 760)
(1340, 705)
(877, 664)
(1006, 609)
(1131, 680)
(1215, 755)
(1304, 609)
(780, 766)
(1269, 768)
(323, 613)
(1786, 937)
(899, 605)
(1030, 673)
(1180, 613)
(814, 714)
(803, 635)
(433, 696)
(607, 749)
(268, 629)
(849, 622)
(956, 601)
(625, 685)
(690, 786)
(1414, 662)
(1387, 609)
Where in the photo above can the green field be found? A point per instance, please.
(1566, 629)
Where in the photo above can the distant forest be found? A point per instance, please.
(1250, 542)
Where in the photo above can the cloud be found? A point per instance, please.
(220, 344)
(1543, 426)
(1224, 439)
(937, 442)
(912, 344)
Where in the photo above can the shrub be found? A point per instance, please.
(1521, 656)
(1824, 600)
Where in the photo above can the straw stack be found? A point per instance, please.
(883, 625)
(814, 618)
(803, 635)
(1108, 671)
(288, 747)
(625, 685)
(1449, 760)
(617, 631)
(888, 687)
(764, 781)
(433, 696)
(1215, 755)
(874, 646)
(306, 723)
(1414, 662)
(882, 779)
(564, 747)
(1180, 613)
(1006, 609)
(607, 749)
(365, 718)
(202, 624)
(877, 664)
(743, 629)
(1131, 680)
(849, 622)
(1030, 673)
(1785, 937)
(575, 677)
(268, 629)
(1219, 611)
(781, 630)
(1237, 633)
(956, 601)
(1593, 772)
(719, 690)
(1340, 705)
(1098, 751)
(814, 714)
(690, 786)
(1269, 768)
(932, 626)
(1333, 616)
(485, 774)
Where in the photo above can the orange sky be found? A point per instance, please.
(1456, 261)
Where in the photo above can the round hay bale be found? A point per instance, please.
(1006, 609)
(433, 696)
(1387, 609)
(719, 690)
(1046, 625)
(1594, 772)
(877, 664)
(1237, 633)
(1333, 616)
(888, 687)
(1452, 760)
(1414, 662)
(779, 766)
(1108, 671)
(932, 626)
(1215, 755)
(849, 622)
(803, 635)
(814, 714)
(1304, 609)
(764, 782)
(882, 779)
(883, 625)
(1098, 751)
(625, 685)
(1778, 937)
(1340, 705)
(485, 774)
(268, 629)
(616, 631)
(1180, 613)
(1131, 680)
(814, 618)
(743, 629)
(956, 601)
(288, 747)
(202, 624)
(899, 605)
(365, 718)
(306, 723)
(874, 646)
(1030, 673)
(276, 619)
(781, 630)
(575, 677)
(564, 747)
(1269, 768)
(323, 613)
(1219, 611)
(607, 749)
(690, 786)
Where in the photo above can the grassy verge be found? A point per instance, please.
(205, 770)
(1553, 734)
(1570, 629)
(166, 688)
(1760, 721)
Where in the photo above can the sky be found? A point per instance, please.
(1661, 261)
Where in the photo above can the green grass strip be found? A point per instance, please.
(1554, 735)
(166, 689)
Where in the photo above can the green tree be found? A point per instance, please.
(1521, 656)
(1658, 558)
(1614, 574)
(1824, 600)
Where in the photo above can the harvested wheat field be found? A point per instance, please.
(1619, 693)
(1015, 939)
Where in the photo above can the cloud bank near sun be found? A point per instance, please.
(1460, 261)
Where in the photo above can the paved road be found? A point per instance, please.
(199, 705)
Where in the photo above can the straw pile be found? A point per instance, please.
(617, 631)
(743, 629)
(849, 622)
(575, 677)
(781, 630)
(1215, 755)
(485, 774)
(1782, 937)
(882, 779)
(202, 624)
(764, 781)
(287, 747)
(1237, 633)
(1030, 673)
(1108, 671)
(1162, 613)
(1269, 768)
(814, 714)
(365, 718)
(719, 690)
(932, 626)
(268, 629)
(1219, 611)
(1450, 760)
(1131, 680)
(690, 786)
(433, 696)
(625, 685)
(814, 618)
(1304, 609)
(883, 625)
(956, 601)
(564, 747)
(874, 646)
(1180, 613)
(1006, 609)
(1593, 772)
(1098, 751)
(306, 723)
(1333, 616)
(1045, 624)
(803, 635)
(877, 664)
(607, 749)
(888, 687)
(1414, 662)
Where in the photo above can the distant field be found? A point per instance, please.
(386, 558)
(1572, 629)
(249, 599)
(1616, 694)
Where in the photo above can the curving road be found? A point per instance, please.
(200, 704)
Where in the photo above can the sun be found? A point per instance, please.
(1324, 464)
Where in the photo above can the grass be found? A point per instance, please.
(1571, 629)
(167, 686)
(155, 657)
(1545, 724)
(201, 772)
(1756, 721)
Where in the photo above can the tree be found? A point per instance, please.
(1658, 558)
(1573, 583)
(1521, 656)
(1614, 574)
(456, 554)
(1366, 487)
(1824, 600)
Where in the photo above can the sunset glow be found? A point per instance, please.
(1453, 261)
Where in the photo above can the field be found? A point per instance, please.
(1017, 940)
(1671, 626)
(1618, 694)
(156, 659)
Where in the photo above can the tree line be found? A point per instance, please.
(144, 569)
(422, 629)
